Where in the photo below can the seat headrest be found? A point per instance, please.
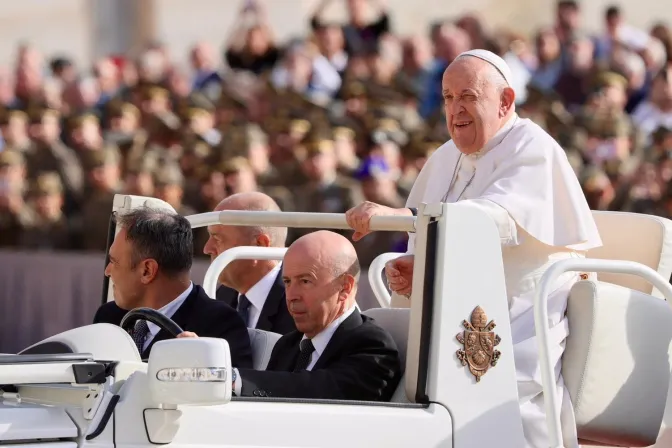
(653, 247)
(396, 322)
(616, 363)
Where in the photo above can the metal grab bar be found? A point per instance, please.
(376, 280)
(541, 322)
(237, 253)
(298, 220)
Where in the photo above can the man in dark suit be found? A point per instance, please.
(253, 287)
(336, 353)
(150, 263)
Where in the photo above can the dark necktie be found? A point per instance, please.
(244, 308)
(140, 332)
(306, 349)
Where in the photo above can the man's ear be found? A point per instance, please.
(149, 269)
(263, 240)
(347, 287)
(507, 100)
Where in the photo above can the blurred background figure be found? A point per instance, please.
(320, 116)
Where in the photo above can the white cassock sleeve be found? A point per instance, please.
(508, 233)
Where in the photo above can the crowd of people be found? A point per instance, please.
(320, 123)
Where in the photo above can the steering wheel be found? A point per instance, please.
(153, 316)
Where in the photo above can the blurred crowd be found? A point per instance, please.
(349, 113)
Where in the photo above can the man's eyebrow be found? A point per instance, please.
(301, 275)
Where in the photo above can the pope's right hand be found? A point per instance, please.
(399, 273)
(359, 217)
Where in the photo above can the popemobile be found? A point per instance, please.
(88, 387)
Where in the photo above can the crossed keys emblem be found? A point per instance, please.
(479, 342)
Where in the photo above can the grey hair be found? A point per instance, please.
(498, 80)
(494, 76)
(161, 235)
(259, 203)
(345, 264)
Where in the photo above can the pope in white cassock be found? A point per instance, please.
(512, 169)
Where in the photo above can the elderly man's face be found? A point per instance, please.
(223, 238)
(474, 106)
(128, 286)
(314, 293)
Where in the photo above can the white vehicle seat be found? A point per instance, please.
(104, 341)
(396, 321)
(262, 346)
(646, 239)
(617, 358)
(617, 372)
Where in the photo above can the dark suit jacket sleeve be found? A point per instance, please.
(225, 323)
(368, 370)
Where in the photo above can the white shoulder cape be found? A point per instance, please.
(527, 173)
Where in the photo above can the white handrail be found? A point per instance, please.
(298, 220)
(541, 322)
(237, 253)
(376, 280)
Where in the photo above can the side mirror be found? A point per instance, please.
(194, 371)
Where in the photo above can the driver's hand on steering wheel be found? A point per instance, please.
(187, 334)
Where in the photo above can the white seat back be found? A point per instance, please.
(262, 346)
(616, 364)
(646, 239)
(608, 323)
(396, 321)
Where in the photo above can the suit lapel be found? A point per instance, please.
(285, 358)
(180, 318)
(272, 304)
(338, 338)
(227, 295)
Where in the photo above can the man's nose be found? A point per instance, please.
(455, 107)
(107, 270)
(207, 249)
(291, 294)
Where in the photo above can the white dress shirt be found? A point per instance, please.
(168, 310)
(258, 294)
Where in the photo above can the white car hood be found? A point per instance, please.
(26, 422)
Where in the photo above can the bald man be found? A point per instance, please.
(336, 353)
(512, 170)
(253, 287)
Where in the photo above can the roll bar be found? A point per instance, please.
(558, 268)
(237, 253)
(376, 281)
(298, 220)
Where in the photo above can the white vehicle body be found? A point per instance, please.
(88, 386)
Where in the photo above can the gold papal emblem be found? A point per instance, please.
(479, 344)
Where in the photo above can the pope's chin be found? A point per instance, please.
(464, 137)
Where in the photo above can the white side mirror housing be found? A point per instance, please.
(194, 371)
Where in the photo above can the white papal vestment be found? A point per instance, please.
(523, 180)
